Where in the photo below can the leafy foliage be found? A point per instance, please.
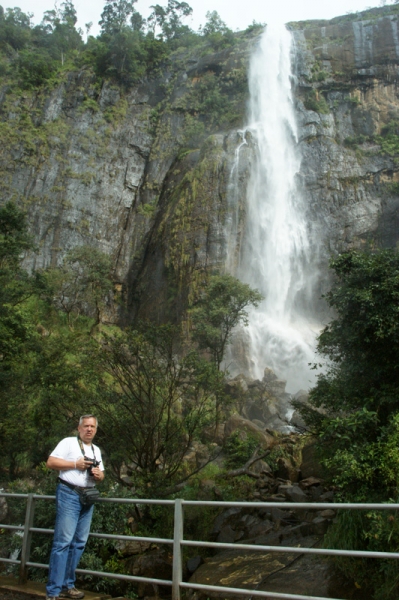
(389, 138)
(83, 284)
(316, 101)
(221, 308)
(128, 47)
(354, 406)
(115, 15)
(239, 449)
(153, 405)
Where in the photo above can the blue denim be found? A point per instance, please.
(72, 528)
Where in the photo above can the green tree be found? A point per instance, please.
(214, 24)
(169, 19)
(354, 406)
(83, 284)
(221, 308)
(35, 67)
(15, 284)
(152, 406)
(115, 15)
(17, 334)
(362, 342)
(14, 238)
(125, 56)
(63, 36)
(216, 31)
(15, 29)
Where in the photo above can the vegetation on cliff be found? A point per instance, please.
(127, 48)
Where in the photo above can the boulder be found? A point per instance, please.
(310, 482)
(310, 466)
(237, 569)
(319, 526)
(286, 470)
(129, 548)
(295, 494)
(297, 421)
(214, 433)
(193, 563)
(272, 383)
(238, 423)
(238, 524)
(156, 564)
(262, 468)
(327, 514)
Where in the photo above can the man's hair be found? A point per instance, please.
(82, 418)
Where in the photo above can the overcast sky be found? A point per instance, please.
(237, 14)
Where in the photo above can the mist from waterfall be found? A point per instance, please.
(280, 249)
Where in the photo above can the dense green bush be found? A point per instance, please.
(316, 101)
(35, 67)
(358, 426)
(239, 448)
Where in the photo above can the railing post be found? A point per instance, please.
(177, 558)
(26, 541)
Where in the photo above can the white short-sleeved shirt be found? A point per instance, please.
(69, 449)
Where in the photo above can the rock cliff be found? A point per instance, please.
(145, 175)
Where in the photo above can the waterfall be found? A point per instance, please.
(279, 250)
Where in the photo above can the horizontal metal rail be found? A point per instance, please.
(178, 542)
(108, 536)
(11, 560)
(109, 575)
(18, 496)
(15, 527)
(293, 549)
(291, 505)
(112, 500)
(239, 591)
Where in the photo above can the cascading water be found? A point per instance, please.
(279, 250)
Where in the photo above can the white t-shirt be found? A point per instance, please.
(69, 449)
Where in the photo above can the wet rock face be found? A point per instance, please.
(158, 186)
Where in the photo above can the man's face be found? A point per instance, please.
(87, 430)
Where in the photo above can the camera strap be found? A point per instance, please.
(82, 449)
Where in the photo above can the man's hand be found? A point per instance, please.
(98, 474)
(82, 464)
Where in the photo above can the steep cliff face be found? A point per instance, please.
(139, 174)
(348, 72)
(150, 176)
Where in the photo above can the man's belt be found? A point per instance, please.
(75, 488)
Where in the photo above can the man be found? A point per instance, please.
(72, 524)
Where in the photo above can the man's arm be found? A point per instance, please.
(60, 464)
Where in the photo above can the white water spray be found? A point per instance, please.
(279, 253)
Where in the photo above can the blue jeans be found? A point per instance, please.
(72, 527)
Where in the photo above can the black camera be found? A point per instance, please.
(94, 463)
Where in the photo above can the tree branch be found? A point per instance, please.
(245, 469)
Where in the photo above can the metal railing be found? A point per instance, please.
(178, 542)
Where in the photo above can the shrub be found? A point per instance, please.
(315, 101)
(35, 67)
(239, 448)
